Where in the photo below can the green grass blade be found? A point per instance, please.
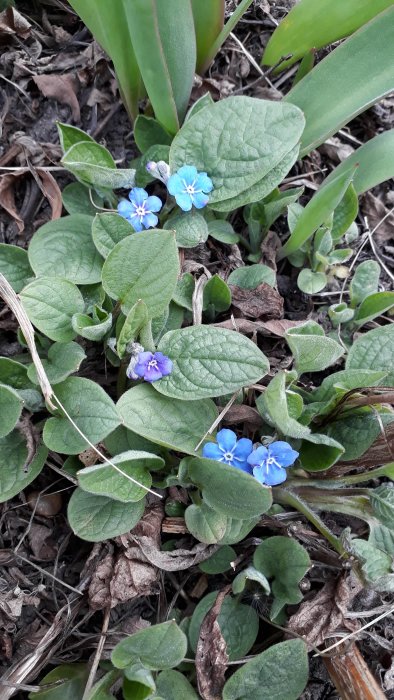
(375, 163)
(317, 211)
(208, 23)
(312, 24)
(227, 29)
(348, 81)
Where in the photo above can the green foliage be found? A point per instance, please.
(72, 679)
(50, 303)
(108, 230)
(158, 647)
(190, 228)
(97, 518)
(15, 266)
(252, 276)
(374, 350)
(104, 480)
(13, 458)
(312, 350)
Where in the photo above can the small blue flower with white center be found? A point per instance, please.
(229, 450)
(269, 464)
(140, 211)
(152, 366)
(190, 187)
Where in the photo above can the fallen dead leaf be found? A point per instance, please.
(374, 210)
(62, 88)
(242, 414)
(7, 197)
(319, 618)
(262, 302)
(38, 539)
(48, 185)
(211, 653)
(12, 22)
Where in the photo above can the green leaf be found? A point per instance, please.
(11, 406)
(365, 281)
(249, 574)
(311, 282)
(88, 328)
(70, 135)
(208, 18)
(227, 29)
(184, 290)
(375, 563)
(190, 228)
(358, 431)
(122, 440)
(108, 230)
(138, 683)
(274, 402)
(50, 304)
(222, 231)
(14, 265)
(252, 276)
(374, 305)
(382, 537)
(238, 623)
(14, 374)
(280, 672)
(374, 350)
(205, 524)
(222, 485)
(13, 457)
(155, 153)
(267, 212)
(347, 380)
(375, 161)
(172, 685)
(179, 425)
(220, 561)
(220, 140)
(310, 25)
(237, 530)
(91, 409)
(104, 480)
(135, 320)
(216, 295)
(64, 248)
(73, 679)
(98, 518)
(345, 213)
(209, 361)
(202, 102)
(312, 350)
(148, 132)
(76, 199)
(102, 689)
(382, 502)
(161, 646)
(94, 166)
(144, 266)
(63, 359)
(354, 76)
(317, 211)
(319, 452)
(286, 562)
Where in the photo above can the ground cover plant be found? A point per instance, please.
(162, 378)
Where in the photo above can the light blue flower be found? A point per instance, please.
(152, 367)
(190, 187)
(270, 463)
(139, 212)
(229, 450)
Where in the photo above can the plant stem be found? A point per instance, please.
(289, 498)
(348, 480)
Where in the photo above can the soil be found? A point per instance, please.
(42, 561)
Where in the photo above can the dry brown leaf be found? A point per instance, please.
(11, 604)
(47, 184)
(242, 414)
(42, 549)
(178, 559)
(12, 22)
(374, 210)
(319, 618)
(51, 191)
(262, 302)
(211, 653)
(7, 197)
(62, 88)
(99, 587)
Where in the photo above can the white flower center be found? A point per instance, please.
(152, 363)
(272, 460)
(228, 456)
(141, 211)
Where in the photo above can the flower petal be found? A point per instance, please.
(227, 439)
(212, 451)
(152, 374)
(136, 222)
(200, 200)
(188, 173)
(184, 201)
(271, 476)
(243, 449)
(283, 453)
(138, 196)
(164, 362)
(204, 183)
(175, 184)
(258, 456)
(153, 203)
(125, 209)
(150, 220)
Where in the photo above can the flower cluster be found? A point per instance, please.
(267, 464)
(188, 186)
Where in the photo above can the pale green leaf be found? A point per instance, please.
(93, 165)
(50, 304)
(108, 230)
(160, 646)
(15, 266)
(11, 406)
(374, 350)
(13, 458)
(205, 524)
(98, 518)
(104, 480)
(252, 276)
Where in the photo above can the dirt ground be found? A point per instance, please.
(51, 70)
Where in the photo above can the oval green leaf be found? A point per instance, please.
(98, 518)
(50, 304)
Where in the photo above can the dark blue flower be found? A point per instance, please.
(190, 187)
(270, 463)
(229, 450)
(152, 367)
(139, 212)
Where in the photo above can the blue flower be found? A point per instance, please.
(229, 450)
(139, 211)
(270, 463)
(152, 367)
(190, 187)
